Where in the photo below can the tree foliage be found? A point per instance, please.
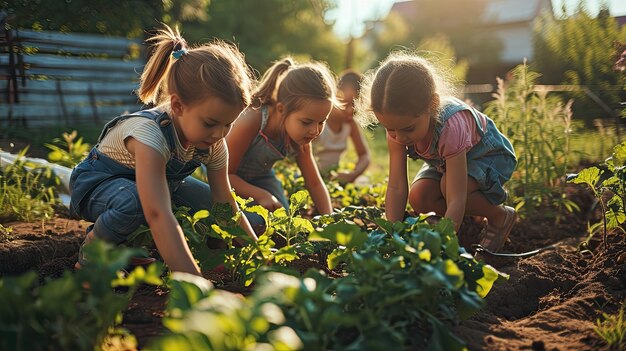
(458, 20)
(579, 50)
(266, 30)
(129, 18)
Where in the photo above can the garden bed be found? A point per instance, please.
(551, 301)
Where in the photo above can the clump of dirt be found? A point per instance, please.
(551, 301)
(49, 247)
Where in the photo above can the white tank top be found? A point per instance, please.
(329, 146)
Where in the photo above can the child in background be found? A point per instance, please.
(467, 160)
(333, 141)
(288, 111)
(143, 161)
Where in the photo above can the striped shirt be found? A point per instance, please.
(148, 132)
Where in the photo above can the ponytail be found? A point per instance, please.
(217, 69)
(152, 83)
(264, 93)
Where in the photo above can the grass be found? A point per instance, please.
(588, 145)
(612, 329)
(37, 138)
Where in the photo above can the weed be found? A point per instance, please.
(612, 329)
(539, 127)
(27, 193)
(608, 179)
(68, 152)
(6, 233)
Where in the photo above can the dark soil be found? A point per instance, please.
(550, 302)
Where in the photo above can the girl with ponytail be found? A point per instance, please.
(289, 109)
(143, 161)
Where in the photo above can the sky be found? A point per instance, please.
(351, 14)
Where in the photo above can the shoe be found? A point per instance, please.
(134, 261)
(82, 261)
(493, 237)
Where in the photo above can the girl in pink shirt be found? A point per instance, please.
(467, 159)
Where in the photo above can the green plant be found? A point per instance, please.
(68, 152)
(26, 192)
(64, 315)
(202, 318)
(404, 266)
(404, 285)
(539, 126)
(5, 233)
(612, 329)
(608, 180)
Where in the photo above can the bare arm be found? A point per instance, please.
(313, 180)
(362, 150)
(220, 191)
(238, 140)
(397, 187)
(156, 203)
(456, 188)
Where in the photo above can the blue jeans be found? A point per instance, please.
(116, 211)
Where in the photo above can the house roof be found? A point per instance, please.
(497, 11)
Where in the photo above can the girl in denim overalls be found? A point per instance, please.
(289, 109)
(467, 160)
(143, 161)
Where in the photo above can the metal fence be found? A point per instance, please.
(53, 78)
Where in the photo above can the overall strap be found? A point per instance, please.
(458, 105)
(161, 118)
(452, 106)
(264, 119)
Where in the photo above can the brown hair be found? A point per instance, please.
(403, 84)
(351, 78)
(215, 69)
(294, 85)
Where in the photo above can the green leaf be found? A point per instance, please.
(484, 284)
(302, 225)
(186, 290)
(287, 253)
(298, 200)
(337, 256)
(200, 215)
(619, 155)
(455, 275)
(349, 235)
(469, 303)
(432, 242)
(589, 176)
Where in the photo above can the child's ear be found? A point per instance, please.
(280, 108)
(176, 105)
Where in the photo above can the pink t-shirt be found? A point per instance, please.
(457, 135)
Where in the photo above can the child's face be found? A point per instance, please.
(405, 129)
(205, 123)
(306, 124)
(348, 94)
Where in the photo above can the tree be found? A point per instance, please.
(128, 18)
(455, 19)
(266, 30)
(578, 50)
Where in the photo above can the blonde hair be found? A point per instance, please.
(404, 84)
(294, 85)
(215, 69)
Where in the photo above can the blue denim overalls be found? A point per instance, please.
(491, 162)
(256, 166)
(104, 191)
